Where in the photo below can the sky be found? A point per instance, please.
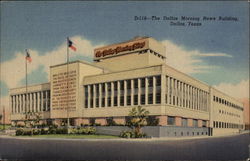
(216, 52)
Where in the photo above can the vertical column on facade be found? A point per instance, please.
(100, 95)
(106, 94)
(166, 91)
(139, 91)
(94, 95)
(197, 96)
(88, 96)
(18, 103)
(180, 93)
(154, 90)
(112, 94)
(132, 92)
(172, 91)
(203, 101)
(146, 91)
(35, 102)
(30, 102)
(184, 95)
(204, 104)
(169, 98)
(118, 93)
(38, 102)
(175, 91)
(46, 103)
(42, 101)
(191, 96)
(207, 99)
(163, 88)
(125, 92)
(201, 96)
(11, 104)
(15, 107)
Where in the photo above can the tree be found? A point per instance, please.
(138, 119)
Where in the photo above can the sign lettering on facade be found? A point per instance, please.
(118, 49)
(63, 98)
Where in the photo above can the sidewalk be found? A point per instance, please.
(125, 139)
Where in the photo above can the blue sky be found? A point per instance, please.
(44, 26)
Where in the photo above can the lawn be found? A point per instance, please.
(6, 127)
(73, 136)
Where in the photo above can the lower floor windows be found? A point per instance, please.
(171, 120)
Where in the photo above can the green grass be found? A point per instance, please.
(6, 127)
(73, 136)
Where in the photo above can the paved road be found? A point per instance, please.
(219, 148)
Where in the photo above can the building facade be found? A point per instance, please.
(122, 76)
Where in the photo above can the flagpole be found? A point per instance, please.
(68, 85)
(26, 84)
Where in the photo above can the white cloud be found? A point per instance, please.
(188, 61)
(13, 71)
(240, 90)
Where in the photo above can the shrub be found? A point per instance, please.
(152, 121)
(132, 134)
(110, 121)
(52, 131)
(36, 131)
(27, 132)
(44, 131)
(19, 131)
(84, 130)
(61, 131)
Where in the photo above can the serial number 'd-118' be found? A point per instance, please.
(118, 49)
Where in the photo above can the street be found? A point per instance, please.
(213, 148)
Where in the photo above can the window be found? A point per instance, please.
(128, 84)
(129, 100)
(135, 99)
(150, 82)
(150, 98)
(158, 98)
(184, 122)
(135, 83)
(204, 123)
(121, 85)
(143, 82)
(121, 100)
(158, 80)
(92, 121)
(115, 101)
(195, 123)
(171, 120)
(143, 99)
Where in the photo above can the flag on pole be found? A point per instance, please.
(70, 45)
(28, 57)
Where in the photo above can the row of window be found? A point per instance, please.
(229, 113)
(218, 124)
(227, 103)
(171, 120)
(36, 101)
(124, 92)
(184, 95)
